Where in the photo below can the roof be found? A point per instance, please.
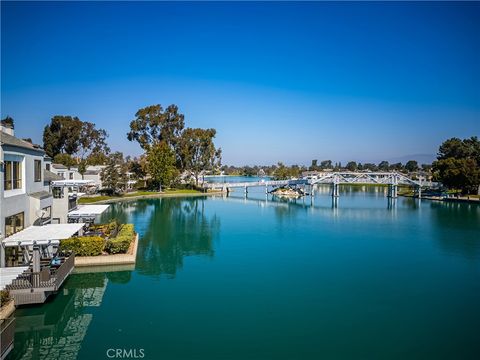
(92, 172)
(40, 195)
(50, 176)
(87, 211)
(42, 235)
(72, 182)
(59, 166)
(8, 139)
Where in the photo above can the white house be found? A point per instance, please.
(93, 172)
(25, 199)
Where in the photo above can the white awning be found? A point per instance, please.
(87, 211)
(72, 182)
(42, 235)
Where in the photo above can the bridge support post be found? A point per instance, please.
(419, 192)
(335, 192)
(393, 191)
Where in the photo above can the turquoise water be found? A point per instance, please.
(265, 278)
(233, 179)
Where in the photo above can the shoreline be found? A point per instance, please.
(152, 196)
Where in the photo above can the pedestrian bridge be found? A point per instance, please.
(391, 179)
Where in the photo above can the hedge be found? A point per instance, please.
(120, 243)
(84, 245)
(4, 297)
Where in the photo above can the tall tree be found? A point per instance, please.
(458, 164)
(411, 166)
(326, 164)
(62, 135)
(71, 136)
(114, 175)
(198, 152)
(383, 165)
(351, 166)
(152, 125)
(161, 164)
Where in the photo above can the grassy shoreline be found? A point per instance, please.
(103, 199)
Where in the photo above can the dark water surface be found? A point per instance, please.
(257, 278)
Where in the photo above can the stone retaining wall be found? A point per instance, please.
(116, 259)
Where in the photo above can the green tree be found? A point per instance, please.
(161, 164)
(97, 158)
(198, 152)
(458, 164)
(326, 164)
(383, 166)
(62, 135)
(114, 175)
(69, 135)
(351, 166)
(65, 159)
(411, 166)
(153, 125)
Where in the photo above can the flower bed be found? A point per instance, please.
(111, 238)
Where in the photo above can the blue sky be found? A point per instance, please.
(279, 81)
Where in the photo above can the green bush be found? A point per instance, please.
(83, 245)
(121, 243)
(4, 297)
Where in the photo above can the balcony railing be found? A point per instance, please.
(49, 278)
(7, 334)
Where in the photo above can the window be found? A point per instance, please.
(14, 224)
(57, 192)
(38, 171)
(47, 166)
(13, 175)
(71, 176)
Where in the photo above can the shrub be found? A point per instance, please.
(4, 297)
(121, 243)
(84, 245)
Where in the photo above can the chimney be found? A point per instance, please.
(7, 127)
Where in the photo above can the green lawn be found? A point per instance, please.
(89, 200)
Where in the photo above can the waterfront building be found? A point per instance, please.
(25, 199)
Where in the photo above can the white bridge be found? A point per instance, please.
(391, 179)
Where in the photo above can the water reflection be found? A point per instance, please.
(170, 229)
(457, 227)
(57, 329)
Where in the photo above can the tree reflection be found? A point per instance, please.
(177, 228)
(457, 227)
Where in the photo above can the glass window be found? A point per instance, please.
(71, 176)
(17, 175)
(13, 175)
(47, 166)
(57, 192)
(14, 224)
(38, 170)
(8, 175)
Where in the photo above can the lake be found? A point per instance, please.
(267, 278)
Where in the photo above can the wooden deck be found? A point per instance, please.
(34, 287)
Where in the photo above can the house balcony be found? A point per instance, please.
(34, 287)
